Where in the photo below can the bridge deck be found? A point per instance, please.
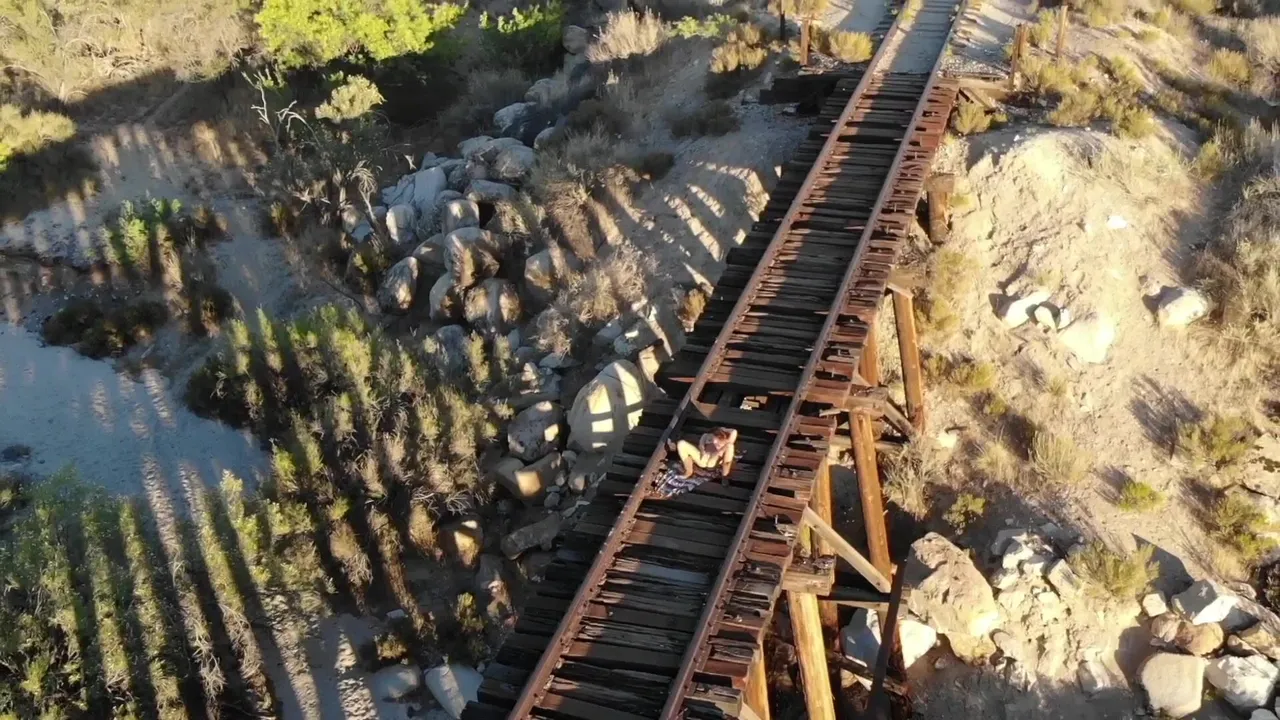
(654, 607)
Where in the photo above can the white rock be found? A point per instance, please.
(1116, 222)
(540, 92)
(1004, 537)
(399, 285)
(1090, 338)
(1016, 311)
(535, 431)
(860, 638)
(1004, 578)
(575, 39)
(453, 686)
(401, 192)
(1037, 564)
(1181, 306)
(510, 118)
(1153, 605)
(1016, 551)
(488, 191)
(1063, 579)
(351, 218)
(608, 407)
(1245, 682)
(535, 385)
(394, 682)
(401, 220)
(1044, 316)
(1174, 683)
(1204, 602)
(470, 255)
(915, 640)
(1064, 318)
(947, 439)
(947, 591)
(427, 184)
(1093, 677)
(513, 164)
(459, 214)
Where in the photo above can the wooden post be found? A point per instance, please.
(823, 503)
(757, 695)
(782, 25)
(1062, 33)
(805, 36)
(1019, 54)
(869, 363)
(909, 350)
(870, 492)
(806, 627)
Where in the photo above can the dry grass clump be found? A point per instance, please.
(1195, 8)
(845, 46)
(1218, 441)
(99, 331)
(908, 476)
(966, 508)
(951, 279)
(618, 280)
(38, 156)
(486, 92)
(626, 34)
(1262, 40)
(711, 118)
(1103, 13)
(1076, 108)
(1230, 67)
(1238, 523)
(1137, 496)
(1124, 577)
(1056, 458)
(1172, 21)
(1134, 122)
(737, 60)
(964, 374)
(569, 174)
(972, 118)
(1044, 32)
(998, 463)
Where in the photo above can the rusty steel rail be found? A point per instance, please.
(645, 632)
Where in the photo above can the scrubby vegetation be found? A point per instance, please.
(35, 149)
(310, 32)
(950, 278)
(1137, 496)
(1122, 576)
(966, 509)
(1241, 525)
(98, 332)
(971, 118)
(845, 46)
(713, 118)
(1218, 441)
(1057, 459)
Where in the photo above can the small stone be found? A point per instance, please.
(1012, 600)
(1116, 222)
(915, 638)
(1063, 579)
(1245, 682)
(1016, 551)
(1004, 536)
(1090, 338)
(1011, 646)
(1093, 677)
(1236, 646)
(1004, 578)
(1044, 316)
(453, 686)
(1153, 604)
(948, 439)
(1181, 306)
(1199, 639)
(535, 431)
(1205, 602)
(540, 534)
(1036, 564)
(395, 681)
(1164, 628)
(551, 501)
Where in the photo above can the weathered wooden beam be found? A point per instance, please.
(865, 567)
(909, 350)
(869, 362)
(806, 630)
(870, 493)
(822, 504)
(809, 577)
(757, 695)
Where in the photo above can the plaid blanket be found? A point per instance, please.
(672, 481)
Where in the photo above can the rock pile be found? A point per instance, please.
(1088, 338)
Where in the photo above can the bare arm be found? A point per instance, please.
(730, 451)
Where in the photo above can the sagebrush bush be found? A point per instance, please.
(1172, 21)
(1122, 576)
(1103, 13)
(850, 47)
(1219, 441)
(1196, 8)
(1238, 523)
(1044, 33)
(1076, 108)
(1134, 122)
(626, 34)
(737, 61)
(614, 283)
(907, 478)
(970, 118)
(39, 159)
(712, 26)
(1057, 459)
(351, 98)
(1230, 67)
(710, 118)
(951, 279)
(1137, 496)
(1262, 41)
(98, 331)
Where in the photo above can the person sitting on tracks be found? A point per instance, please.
(715, 448)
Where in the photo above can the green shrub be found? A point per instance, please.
(1134, 122)
(1044, 33)
(1103, 13)
(1121, 576)
(39, 159)
(1238, 523)
(1218, 441)
(1076, 108)
(101, 333)
(312, 32)
(737, 61)
(1137, 496)
(526, 38)
(25, 133)
(970, 118)
(711, 118)
(713, 26)
(1230, 67)
(964, 510)
(850, 47)
(951, 279)
(351, 98)
(1057, 459)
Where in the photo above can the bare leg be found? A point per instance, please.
(687, 452)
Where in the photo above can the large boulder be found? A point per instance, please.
(467, 149)
(430, 256)
(469, 256)
(530, 483)
(540, 534)
(535, 385)
(535, 431)
(1199, 639)
(487, 152)
(540, 278)
(488, 191)
(1181, 306)
(513, 164)
(948, 591)
(1090, 338)
(459, 214)
(575, 39)
(1263, 638)
(394, 682)
(444, 300)
(510, 120)
(1205, 602)
(452, 343)
(399, 285)
(1015, 311)
(1174, 683)
(427, 184)
(608, 407)
(492, 305)
(401, 221)
(1245, 682)
(453, 686)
